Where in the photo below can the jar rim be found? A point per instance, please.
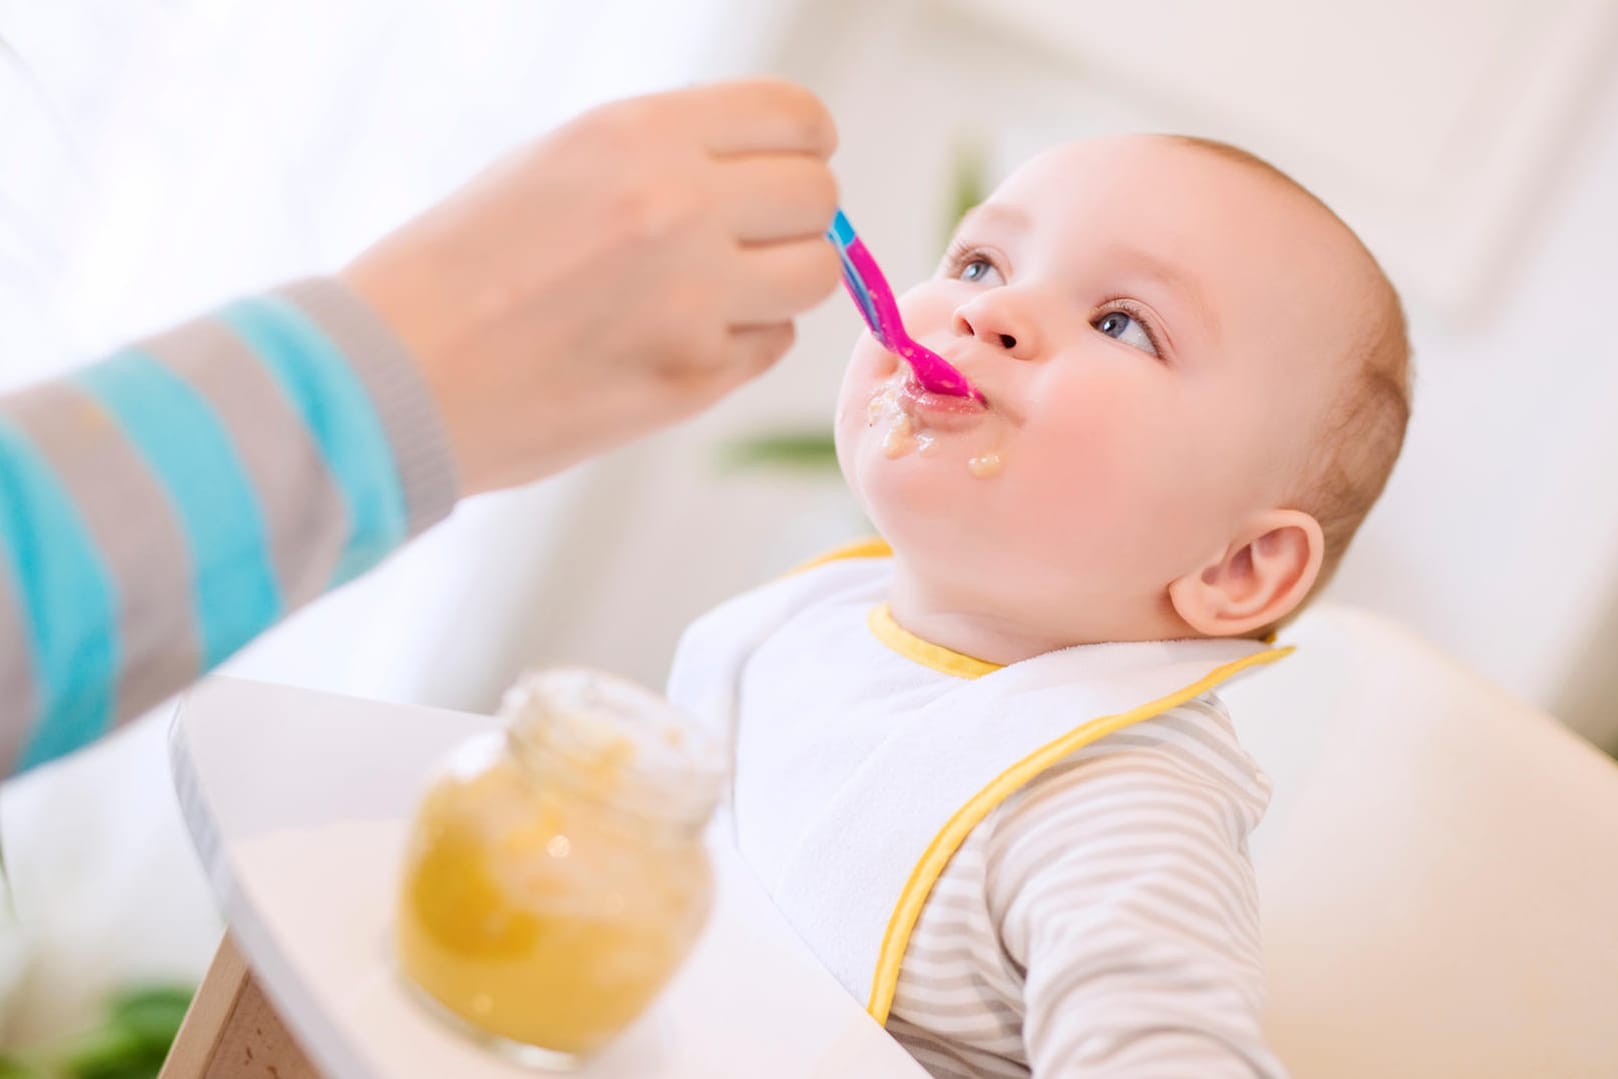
(617, 740)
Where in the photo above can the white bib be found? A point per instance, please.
(855, 883)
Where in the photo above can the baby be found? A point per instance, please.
(980, 764)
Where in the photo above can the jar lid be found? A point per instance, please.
(619, 741)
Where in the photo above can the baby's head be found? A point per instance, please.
(1196, 384)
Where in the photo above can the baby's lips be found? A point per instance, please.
(974, 391)
(939, 411)
(947, 379)
(936, 373)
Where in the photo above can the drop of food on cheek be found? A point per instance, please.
(926, 444)
(901, 437)
(985, 465)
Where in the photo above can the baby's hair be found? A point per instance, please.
(1354, 453)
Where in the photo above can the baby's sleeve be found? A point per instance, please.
(1122, 886)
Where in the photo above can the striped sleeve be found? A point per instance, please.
(1103, 921)
(162, 507)
(1123, 889)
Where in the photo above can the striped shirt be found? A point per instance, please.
(1102, 921)
(160, 508)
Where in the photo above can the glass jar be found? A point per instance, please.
(556, 875)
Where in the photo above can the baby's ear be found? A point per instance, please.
(1259, 579)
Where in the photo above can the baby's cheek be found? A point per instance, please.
(871, 361)
(929, 306)
(862, 380)
(1111, 460)
(1095, 436)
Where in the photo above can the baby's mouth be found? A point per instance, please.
(915, 418)
(938, 410)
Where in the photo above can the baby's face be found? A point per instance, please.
(1158, 332)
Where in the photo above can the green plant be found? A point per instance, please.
(969, 184)
(12, 1068)
(130, 1043)
(807, 451)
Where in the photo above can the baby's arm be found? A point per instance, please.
(1122, 886)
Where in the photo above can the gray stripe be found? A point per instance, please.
(1189, 849)
(305, 518)
(1089, 842)
(981, 1018)
(398, 389)
(1194, 919)
(1112, 763)
(1220, 747)
(1104, 800)
(969, 978)
(1195, 714)
(131, 522)
(1150, 913)
(1128, 973)
(1101, 823)
(932, 1056)
(955, 950)
(966, 1049)
(961, 902)
(1119, 764)
(940, 1060)
(1001, 977)
(1236, 904)
(1189, 769)
(1208, 776)
(1187, 763)
(1149, 931)
(1134, 1046)
(939, 1068)
(943, 1054)
(1211, 708)
(16, 677)
(920, 982)
(1183, 754)
(1119, 859)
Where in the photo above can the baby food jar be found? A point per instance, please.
(556, 875)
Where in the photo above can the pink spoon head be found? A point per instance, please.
(935, 373)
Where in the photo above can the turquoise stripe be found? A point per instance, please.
(188, 449)
(841, 232)
(69, 603)
(338, 411)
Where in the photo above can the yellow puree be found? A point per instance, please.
(536, 913)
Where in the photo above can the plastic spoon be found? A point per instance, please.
(880, 310)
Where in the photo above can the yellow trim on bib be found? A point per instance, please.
(969, 816)
(925, 652)
(870, 547)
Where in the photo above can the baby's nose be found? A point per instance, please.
(996, 324)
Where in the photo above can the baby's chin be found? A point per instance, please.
(910, 496)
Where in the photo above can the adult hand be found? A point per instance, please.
(619, 274)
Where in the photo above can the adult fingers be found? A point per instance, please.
(770, 197)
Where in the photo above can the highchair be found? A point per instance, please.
(1438, 869)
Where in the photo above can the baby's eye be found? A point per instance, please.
(979, 271)
(1126, 328)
